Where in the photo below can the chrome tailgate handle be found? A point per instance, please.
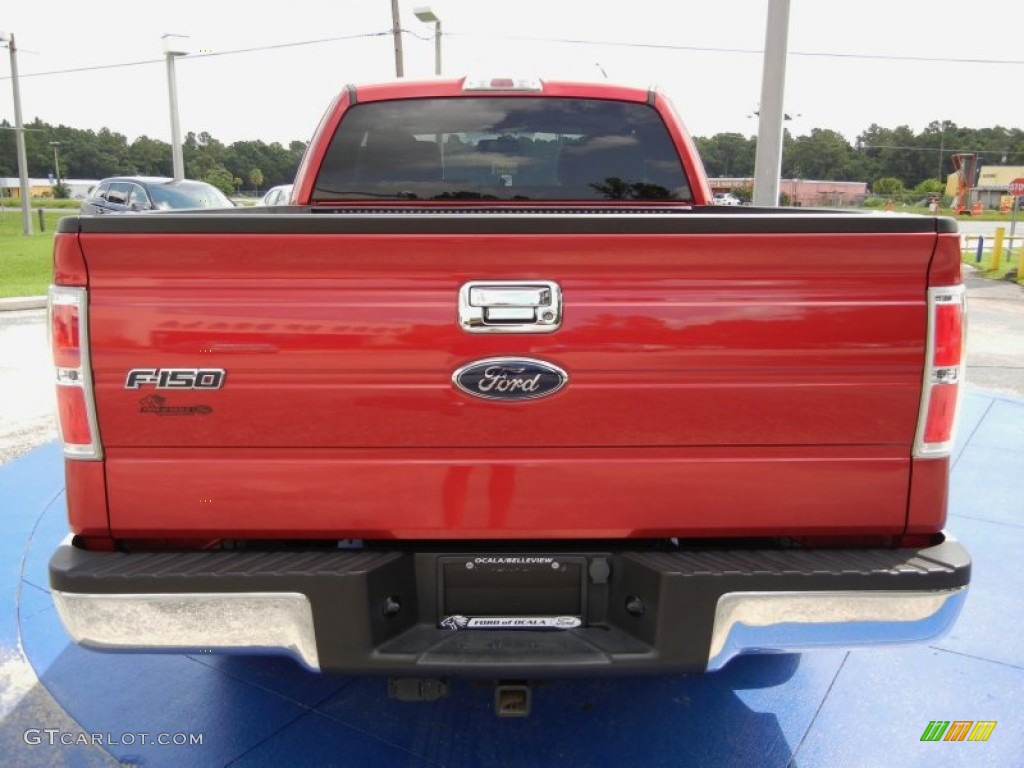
(510, 306)
(516, 296)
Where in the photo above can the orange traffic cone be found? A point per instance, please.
(977, 209)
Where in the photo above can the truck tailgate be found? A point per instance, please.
(743, 383)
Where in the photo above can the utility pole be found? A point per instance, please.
(396, 30)
(56, 158)
(172, 50)
(19, 136)
(942, 151)
(768, 161)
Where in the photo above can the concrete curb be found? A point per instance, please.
(22, 302)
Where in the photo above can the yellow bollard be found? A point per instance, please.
(997, 248)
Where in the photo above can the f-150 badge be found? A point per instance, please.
(175, 378)
(510, 378)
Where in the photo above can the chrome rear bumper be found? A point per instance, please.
(381, 612)
(770, 622)
(241, 622)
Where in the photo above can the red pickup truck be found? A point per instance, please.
(503, 393)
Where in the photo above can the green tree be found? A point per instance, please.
(888, 186)
(823, 154)
(930, 187)
(256, 179)
(878, 153)
(203, 154)
(728, 154)
(745, 194)
(221, 178)
(150, 157)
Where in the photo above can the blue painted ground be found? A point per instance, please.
(866, 708)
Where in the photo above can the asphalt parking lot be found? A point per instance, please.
(818, 709)
(995, 335)
(26, 383)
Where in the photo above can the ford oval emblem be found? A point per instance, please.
(510, 378)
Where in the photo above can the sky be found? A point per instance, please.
(844, 69)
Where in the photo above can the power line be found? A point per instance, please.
(1007, 152)
(85, 69)
(210, 54)
(524, 38)
(300, 43)
(757, 51)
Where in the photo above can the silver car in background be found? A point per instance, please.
(280, 195)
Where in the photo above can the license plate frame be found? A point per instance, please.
(484, 591)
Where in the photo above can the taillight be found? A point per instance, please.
(64, 333)
(69, 343)
(943, 373)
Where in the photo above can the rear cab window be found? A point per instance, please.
(502, 149)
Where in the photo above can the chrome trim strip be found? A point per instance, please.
(256, 622)
(771, 622)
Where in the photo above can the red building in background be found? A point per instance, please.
(804, 192)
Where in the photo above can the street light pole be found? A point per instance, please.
(426, 15)
(19, 136)
(172, 50)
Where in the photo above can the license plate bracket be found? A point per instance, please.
(512, 591)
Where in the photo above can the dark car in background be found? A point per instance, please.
(124, 194)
